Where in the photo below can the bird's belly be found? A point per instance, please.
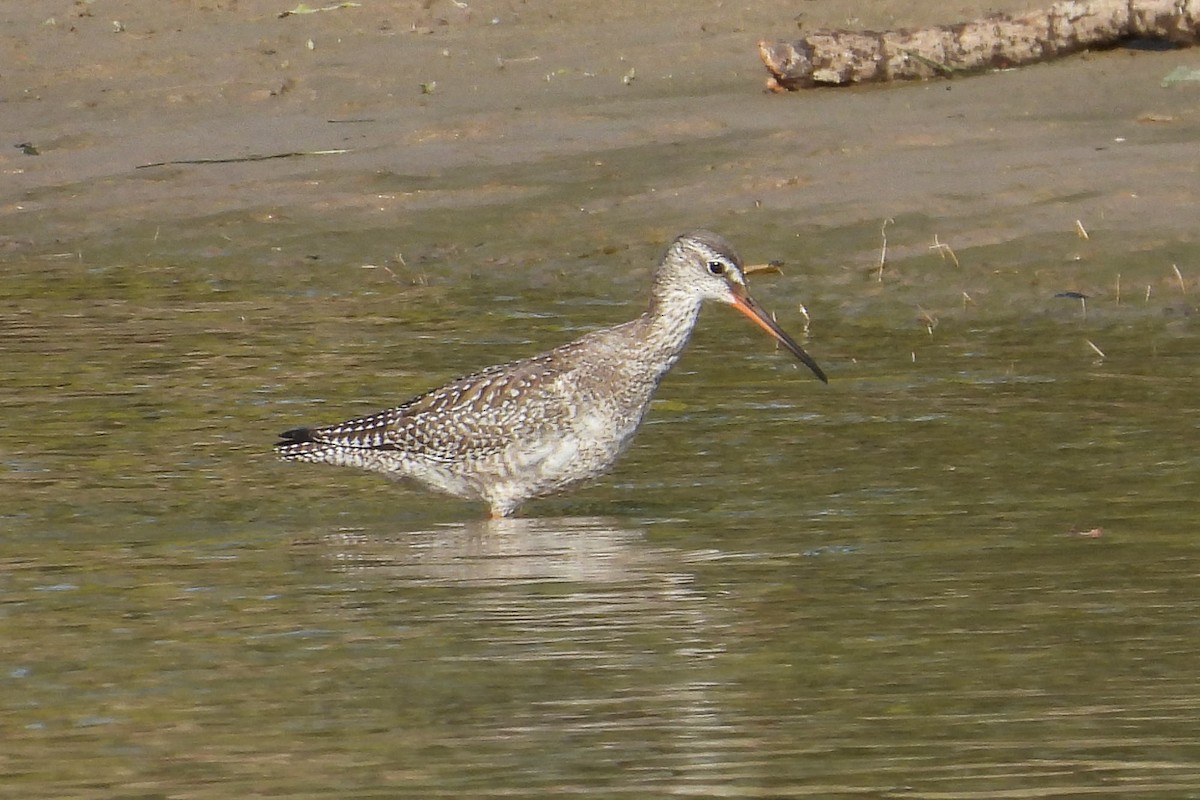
(556, 460)
(439, 477)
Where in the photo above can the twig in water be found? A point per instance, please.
(306, 9)
(928, 320)
(1080, 296)
(773, 267)
(502, 62)
(241, 159)
(883, 250)
(944, 250)
(1080, 231)
(1092, 345)
(1179, 276)
(807, 321)
(399, 259)
(395, 278)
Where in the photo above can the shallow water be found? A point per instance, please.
(965, 568)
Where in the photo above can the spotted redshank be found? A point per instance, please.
(537, 426)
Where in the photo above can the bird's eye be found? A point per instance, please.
(716, 267)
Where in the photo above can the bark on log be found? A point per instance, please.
(843, 57)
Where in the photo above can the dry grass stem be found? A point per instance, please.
(502, 62)
(883, 249)
(1080, 231)
(395, 278)
(928, 320)
(245, 159)
(944, 250)
(1179, 277)
(771, 267)
(1097, 350)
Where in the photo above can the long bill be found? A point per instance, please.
(744, 303)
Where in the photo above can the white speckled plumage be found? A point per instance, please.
(536, 426)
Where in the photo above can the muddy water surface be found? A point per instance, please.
(965, 567)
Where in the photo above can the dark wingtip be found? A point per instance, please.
(294, 436)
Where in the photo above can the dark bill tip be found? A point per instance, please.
(745, 304)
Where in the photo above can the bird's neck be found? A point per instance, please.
(669, 322)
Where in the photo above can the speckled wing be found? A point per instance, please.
(473, 417)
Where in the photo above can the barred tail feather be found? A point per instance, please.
(299, 444)
(308, 445)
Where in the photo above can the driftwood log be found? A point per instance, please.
(838, 58)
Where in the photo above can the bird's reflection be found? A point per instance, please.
(510, 550)
(597, 633)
